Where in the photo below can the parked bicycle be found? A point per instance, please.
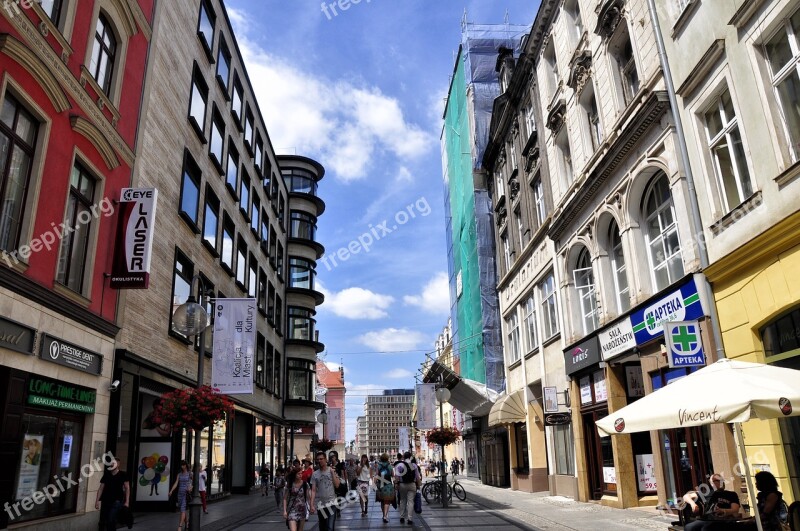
(432, 490)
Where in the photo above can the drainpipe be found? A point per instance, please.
(697, 221)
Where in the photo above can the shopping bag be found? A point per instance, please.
(418, 502)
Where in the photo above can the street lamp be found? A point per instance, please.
(443, 395)
(191, 319)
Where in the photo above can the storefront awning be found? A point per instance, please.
(509, 409)
(467, 396)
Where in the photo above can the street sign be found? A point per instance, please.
(684, 344)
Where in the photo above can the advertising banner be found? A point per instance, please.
(402, 434)
(684, 344)
(152, 479)
(234, 346)
(550, 400)
(137, 213)
(426, 402)
(29, 466)
(680, 305)
(334, 425)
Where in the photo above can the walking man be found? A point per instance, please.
(324, 483)
(114, 493)
(410, 481)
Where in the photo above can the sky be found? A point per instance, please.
(362, 91)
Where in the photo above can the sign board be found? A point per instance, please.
(550, 399)
(59, 351)
(557, 419)
(234, 346)
(646, 473)
(616, 339)
(679, 305)
(137, 213)
(334, 424)
(583, 355)
(426, 401)
(60, 395)
(684, 344)
(16, 336)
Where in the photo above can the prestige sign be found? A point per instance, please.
(59, 351)
(137, 212)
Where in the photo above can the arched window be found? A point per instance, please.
(103, 54)
(583, 276)
(661, 234)
(618, 269)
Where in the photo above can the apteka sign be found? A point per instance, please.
(684, 344)
(137, 214)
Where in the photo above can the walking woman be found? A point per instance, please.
(385, 486)
(184, 485)
(363, 479)
(295, 503)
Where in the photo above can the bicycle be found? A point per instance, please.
(432, 490)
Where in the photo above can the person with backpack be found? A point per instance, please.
(295, 503)
(409, 481)
(384, 486)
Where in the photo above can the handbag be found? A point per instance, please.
(418, 502)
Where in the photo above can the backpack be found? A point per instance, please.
(410, 475)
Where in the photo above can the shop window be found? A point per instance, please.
(104, 51)
(79, 221)
(521, 439)
(782, 335)
(782, 52)
(219, 470)
(661, 234)
(18, 131)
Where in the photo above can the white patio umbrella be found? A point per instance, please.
(726, 391)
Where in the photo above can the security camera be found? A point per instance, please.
(114, 386)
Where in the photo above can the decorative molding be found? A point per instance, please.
(513, 186)
(102, 99)
(95, 136)
(46, 27)
(701, 70)
(745, 13)
(532, 160)
(684, 17)
(127, 17)
(555, 118)
(141, 19)
(580, 70)
(608, 18)
(23, 55)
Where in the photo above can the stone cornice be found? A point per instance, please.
(61, 72)
(23, 55)
(651, 109)
(126, 17)
(608, 17)
(745, 13)
(700, 71)
(95, 136)
(141, 19)
(103, 102)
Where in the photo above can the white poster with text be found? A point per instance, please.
(426, 402)
(234, 346)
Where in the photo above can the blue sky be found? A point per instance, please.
(361, 90)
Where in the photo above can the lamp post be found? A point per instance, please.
(443, 395)
(191, 319)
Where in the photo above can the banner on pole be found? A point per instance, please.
(402, 433)
(234, 346)
(426, 402)
(335, 424)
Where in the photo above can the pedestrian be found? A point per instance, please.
(771, 505)
(363, 479)
(264, 475)
(183, 484)
(280, 484)
(114, 494)
(307, 470)
(350, 472)
(461, 466)
(201, 486)
(220, 477)
(324, 483)
(384, 486)
(409, 481)
(295, 503)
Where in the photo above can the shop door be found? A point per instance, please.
(596, 449)
(690, 453)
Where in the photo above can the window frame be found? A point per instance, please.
(530, 323)
(179, 256)
(241, 263)
(663, 233)
(618, 272)
(212, 202)
(586, 292)
(217, 131)
(109, 52)
(208, 46)
(237, 93)
(512, 337)
(244, 195)
(202, 90)
(233, 157)
(223, 57)
(547, 293)
(192, 170)
(228, 228)
(66, 248)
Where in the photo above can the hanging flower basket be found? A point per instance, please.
(323, 445)
(443, 436)
(193, 409)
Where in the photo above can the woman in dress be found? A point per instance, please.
(385, 486)
(295, 502)
(363, 478)
(184, 485)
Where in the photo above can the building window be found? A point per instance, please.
(301, 273)
(573, 10)
(506, 252)
(278, 314)
(254, 211)
(521, 439)
(501, 184)
(278, 387)
(244, 194)
(52, 9)
(207, 302)
(565, 452)
(223, 65)
(622, 54)
(281, 211)
(241, 264)
(783, 56)
(211, 221)
(264, 232)
(565, 154)
(727, 152)
(589, 105)
(252, 280)
(205, 26)
(618, 269)
(18, 132)
(262, 291)
(303, 226)
(181, 284)
(271, 302)
(248, 129)
(261, 361)
(197, 104)
(538, 199)
(530, 120)
(103, 54)
(232, 173)
(529, 324)
(301, 323)
(551, 66)
(279, 261)
(512, 155)
(662, 234)
(269, 370)
(273, 247)
(259, 152)
(190, 191)
(237, 105)
(512, 336)
(300, 378)
(228, 230)
(547, 292)
(585, 287)
(217, 143)
(75, 243)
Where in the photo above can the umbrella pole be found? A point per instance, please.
(737, 431)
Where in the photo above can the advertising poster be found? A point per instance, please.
(234, 346)
(426, 401)
(635, 380)
(149, 427)
(586, 390)
(137, 213)
(646, 473)
(550, 400)
(600, 393)
(32, 446)
(610, 475)
(334, 425)
(152, 475)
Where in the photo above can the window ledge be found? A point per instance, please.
(189, 221)
(210, 248)
(232, 192)
(241, 286)
(217, 164)
(684, 17)
(225, 267)
(13, 261)
(532, 353)
(237, 120)
(68, 293)
(102, 99)
(174, 335)
(747, 206)
(224, 88)
(46, 27)
(788, 175)
(551, 339)
(198, 130)
(204, 44)
(245, 215)
(255, 233)
(514, 364)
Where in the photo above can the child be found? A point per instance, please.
(279, 485)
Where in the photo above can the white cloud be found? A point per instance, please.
(435, 296)
(342, 123)
(356, 303)
(393, 339)
(398, 374)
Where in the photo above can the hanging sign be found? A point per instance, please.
(234, 345)
(426, 400)
(616, 339)
(679, 305)
(684, 344)
(137, 213)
